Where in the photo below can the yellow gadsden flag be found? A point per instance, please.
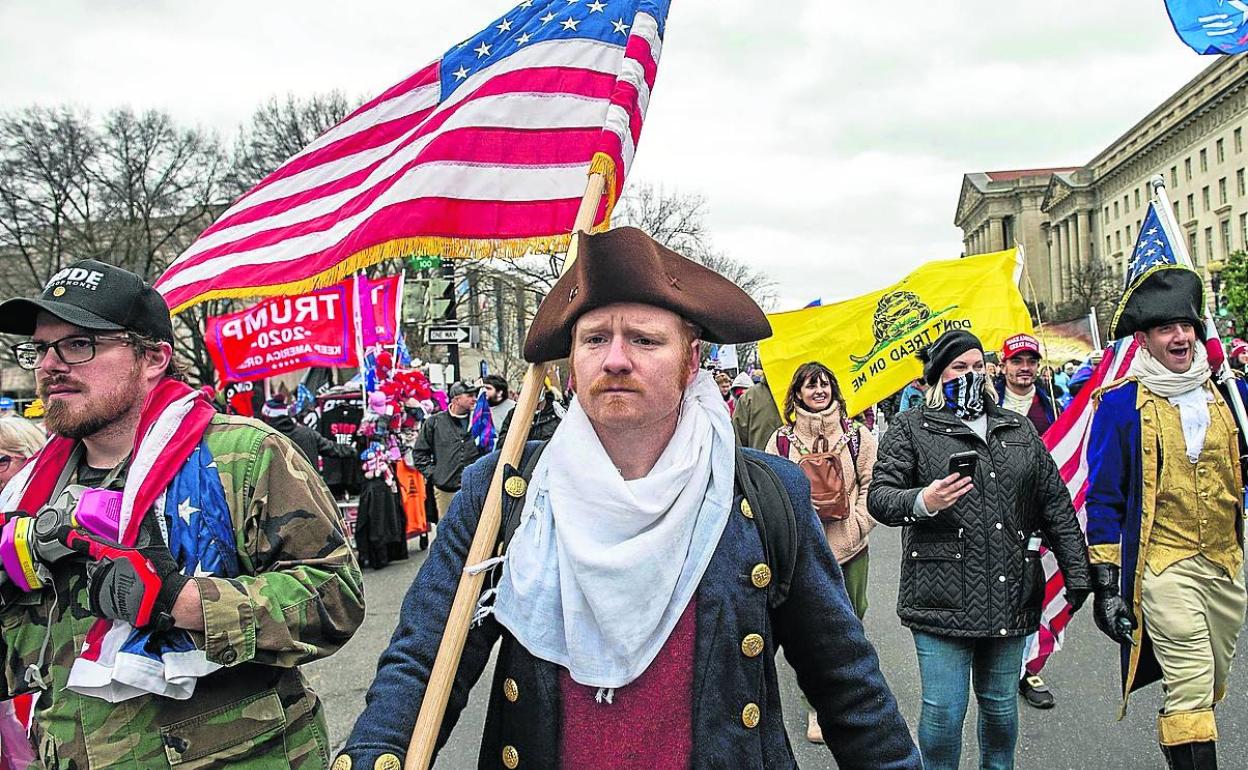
(870, 341)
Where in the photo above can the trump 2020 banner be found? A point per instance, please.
(870, 342)
(284, 334)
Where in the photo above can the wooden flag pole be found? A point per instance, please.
(438, 691)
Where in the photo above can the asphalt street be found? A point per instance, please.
(1080, 733)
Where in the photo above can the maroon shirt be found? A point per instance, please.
(649, 723)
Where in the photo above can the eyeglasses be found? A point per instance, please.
(74, 349)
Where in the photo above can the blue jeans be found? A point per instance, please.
(946, 667)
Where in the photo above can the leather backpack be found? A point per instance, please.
(829, 494)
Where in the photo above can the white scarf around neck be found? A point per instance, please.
(600, 569)
(1186, 391)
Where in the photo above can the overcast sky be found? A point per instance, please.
(828, 137)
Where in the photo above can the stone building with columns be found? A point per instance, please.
(1065, 217)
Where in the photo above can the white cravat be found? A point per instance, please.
(600, 569)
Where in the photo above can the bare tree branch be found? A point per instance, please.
(280, 129)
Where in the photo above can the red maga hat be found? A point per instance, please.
(1020, 343)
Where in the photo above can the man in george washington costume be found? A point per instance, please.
(1165, 527)
(648, 575)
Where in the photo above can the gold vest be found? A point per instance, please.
(1197, 503)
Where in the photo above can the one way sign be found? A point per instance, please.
(450, 335)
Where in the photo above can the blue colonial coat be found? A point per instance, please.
(836, 666)
(1122, 454)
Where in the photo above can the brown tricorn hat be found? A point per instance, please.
(626, 265)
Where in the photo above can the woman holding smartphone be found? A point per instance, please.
(975, 491)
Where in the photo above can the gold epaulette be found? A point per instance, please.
(1096, 395)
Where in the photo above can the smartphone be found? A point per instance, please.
(963, 463)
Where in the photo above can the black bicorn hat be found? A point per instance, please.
(1164, 294)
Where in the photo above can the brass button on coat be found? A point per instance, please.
(760, 576)
(746, 510)
(750, 715)
(387, 762)
(510, 690)
(343, 762)
(511, 757)
(752, 645)
(515, 486)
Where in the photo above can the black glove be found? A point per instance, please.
(138, 585)
(1109, 611)
(1076, 597)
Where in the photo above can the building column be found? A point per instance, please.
(1059, 271)
(1068, 261)
(1086, 244)
(1077, 229)
(996, 235)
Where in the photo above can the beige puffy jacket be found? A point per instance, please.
(847, 537)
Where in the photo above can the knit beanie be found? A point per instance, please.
(944, 350)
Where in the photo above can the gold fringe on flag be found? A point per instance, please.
(602, 163)
(447, 248)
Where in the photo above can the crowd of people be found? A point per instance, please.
(675, 528)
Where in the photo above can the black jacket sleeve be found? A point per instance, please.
(327, 448)
(894, 482)
(422, 450)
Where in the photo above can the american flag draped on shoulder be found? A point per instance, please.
(1067, 439)
(484, 153)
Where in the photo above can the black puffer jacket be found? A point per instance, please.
(966, 571)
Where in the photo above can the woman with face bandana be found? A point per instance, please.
(971, 580)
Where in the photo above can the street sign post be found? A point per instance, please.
(451, 335)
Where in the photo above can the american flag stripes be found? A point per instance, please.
(484, 153)
(1067, 441)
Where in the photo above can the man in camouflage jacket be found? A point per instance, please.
(297, 596)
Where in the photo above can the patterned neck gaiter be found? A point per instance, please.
(965, 395)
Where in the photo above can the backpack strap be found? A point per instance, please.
(513, 506)
(775, 519)
(782, 444)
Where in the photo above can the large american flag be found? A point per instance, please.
(1067, 439)
(483, 153)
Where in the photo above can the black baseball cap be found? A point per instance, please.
(95, 296)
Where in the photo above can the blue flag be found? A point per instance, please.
(402, 356)
(1211, 26)
(482, 423)
(1152, 248)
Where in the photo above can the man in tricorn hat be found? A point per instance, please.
(1164, 527)
(640, 603)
